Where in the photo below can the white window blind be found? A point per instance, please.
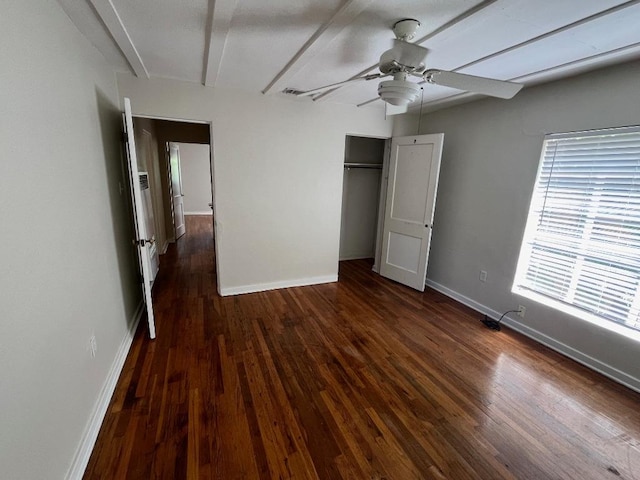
(582, 240)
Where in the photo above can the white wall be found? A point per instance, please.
(277, 176)
(67, 269)
(489, 165)
(195, 167)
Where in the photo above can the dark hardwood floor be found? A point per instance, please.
(361, 379)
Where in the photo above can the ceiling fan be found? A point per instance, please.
(408, 60)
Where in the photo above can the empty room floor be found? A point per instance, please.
(360, 379)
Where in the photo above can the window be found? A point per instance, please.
(581, 247)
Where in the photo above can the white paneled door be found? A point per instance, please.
(176, 190)
(142, 240)
(411, 198)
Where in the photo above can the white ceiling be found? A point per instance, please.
(267, 46)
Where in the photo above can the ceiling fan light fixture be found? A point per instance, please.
(398, 92)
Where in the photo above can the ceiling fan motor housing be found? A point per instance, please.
(403, 57)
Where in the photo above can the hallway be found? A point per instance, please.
(361, 379)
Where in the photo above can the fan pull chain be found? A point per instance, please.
(421, 102)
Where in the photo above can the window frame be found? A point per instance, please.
(524, 258)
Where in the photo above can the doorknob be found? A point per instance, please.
(142, 242)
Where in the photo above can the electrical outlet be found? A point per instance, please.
(93, 346)
(522, 310)
(483, 275)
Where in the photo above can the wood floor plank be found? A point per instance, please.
(359, 379)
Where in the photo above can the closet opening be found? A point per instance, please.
(363, 196)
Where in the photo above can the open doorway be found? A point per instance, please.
(363, 194)
(176, 158)
(190, 174)
(153, 139)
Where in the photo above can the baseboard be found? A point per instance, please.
(90, 435)
(209, 212)
(261, 287)
(580, 357)
(164, 248)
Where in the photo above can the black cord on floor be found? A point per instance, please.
(495, 324)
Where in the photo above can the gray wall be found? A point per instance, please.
(360, 198)
(490, 159)
(67, 265)
(363, 149)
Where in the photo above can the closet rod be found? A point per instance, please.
(363, 165)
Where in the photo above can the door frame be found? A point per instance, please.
(382, 204)
(213, 179)
(381, 195)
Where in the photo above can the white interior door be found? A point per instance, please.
(176, 190)
(143, 242)
(414, 167)
(144, 156)
(150, 227)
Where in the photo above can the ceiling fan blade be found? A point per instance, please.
(315, 91)
(471, 83)
(409, 54)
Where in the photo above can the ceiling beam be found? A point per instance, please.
(111, 19)
(582, 65)
(325, 34)
(463, 16)
(533, 40)
(218, 23)
(556, 31)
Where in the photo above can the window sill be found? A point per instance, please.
(581, 314)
